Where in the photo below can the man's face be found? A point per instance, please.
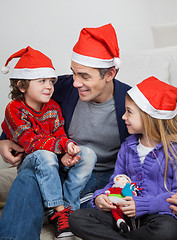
(90, 85)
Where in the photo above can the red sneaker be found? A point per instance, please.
(61, 223)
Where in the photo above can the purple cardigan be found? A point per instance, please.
(149, 176)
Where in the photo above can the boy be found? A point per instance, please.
(35, 122)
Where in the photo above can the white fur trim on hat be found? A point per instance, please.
(142, 102)
(117, 63)
(95, 62)
(5, 69)
(35, 73)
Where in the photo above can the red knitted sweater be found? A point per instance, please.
(35, 130)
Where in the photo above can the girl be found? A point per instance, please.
(149, 158)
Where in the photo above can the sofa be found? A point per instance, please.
(136, 66)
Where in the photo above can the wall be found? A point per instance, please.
(53, 27)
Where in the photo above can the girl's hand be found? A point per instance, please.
(173, 200)
(73, 149)
(128, 207)
(69, 161)
(104, 203)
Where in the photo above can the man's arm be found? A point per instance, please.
(7, 147)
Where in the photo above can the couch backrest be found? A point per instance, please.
(159, 62)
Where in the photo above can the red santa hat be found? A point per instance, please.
(156, 98)
(97, 48)
(32, 65)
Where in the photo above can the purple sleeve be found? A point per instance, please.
(156, 204)
(152, 205)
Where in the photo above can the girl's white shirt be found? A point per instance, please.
(143, 151)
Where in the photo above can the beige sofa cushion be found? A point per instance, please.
(7, 176)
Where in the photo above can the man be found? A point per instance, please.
(92, 103)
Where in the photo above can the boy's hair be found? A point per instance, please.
(15, 92)
(161, 130)
(103, 71)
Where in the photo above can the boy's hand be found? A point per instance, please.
(73, 149)
(69, 160)
(128, 206)
(104, 203)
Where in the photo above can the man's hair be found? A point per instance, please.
(164, 131)
(15, 92)
(103, 71)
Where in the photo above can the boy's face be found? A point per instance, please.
(38, 92)
(90, 85)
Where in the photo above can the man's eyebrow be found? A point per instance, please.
(80, 73)
(71, 69)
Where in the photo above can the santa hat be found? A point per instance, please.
(156, 98)
(97, 48)
(32, 65)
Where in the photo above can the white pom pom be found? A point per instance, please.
(117, 63)
(5, 70)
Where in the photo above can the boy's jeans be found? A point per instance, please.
(23, 213)
(46, 168)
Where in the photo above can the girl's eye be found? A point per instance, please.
(129, 111)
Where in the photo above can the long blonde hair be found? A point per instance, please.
(164, 131)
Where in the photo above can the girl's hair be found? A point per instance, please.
(15, 92)
(161, 130)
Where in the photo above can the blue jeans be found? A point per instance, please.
(22, 216)
(23, 213)
(46, 168)
(98, 180)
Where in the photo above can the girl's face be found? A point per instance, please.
(132, 117)
(38, 92)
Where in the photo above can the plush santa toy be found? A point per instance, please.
(121, 188)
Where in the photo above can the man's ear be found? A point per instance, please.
(19, 87)
(110, 74)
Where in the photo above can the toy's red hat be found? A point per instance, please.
(31, 65)
(156, 98)
(97, 47)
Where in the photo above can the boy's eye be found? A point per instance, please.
(53, 81)
(42, 80)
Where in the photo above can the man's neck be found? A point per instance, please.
(107, 95)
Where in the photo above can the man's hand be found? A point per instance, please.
(173, 200)
(6, 149)
(104, 203)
